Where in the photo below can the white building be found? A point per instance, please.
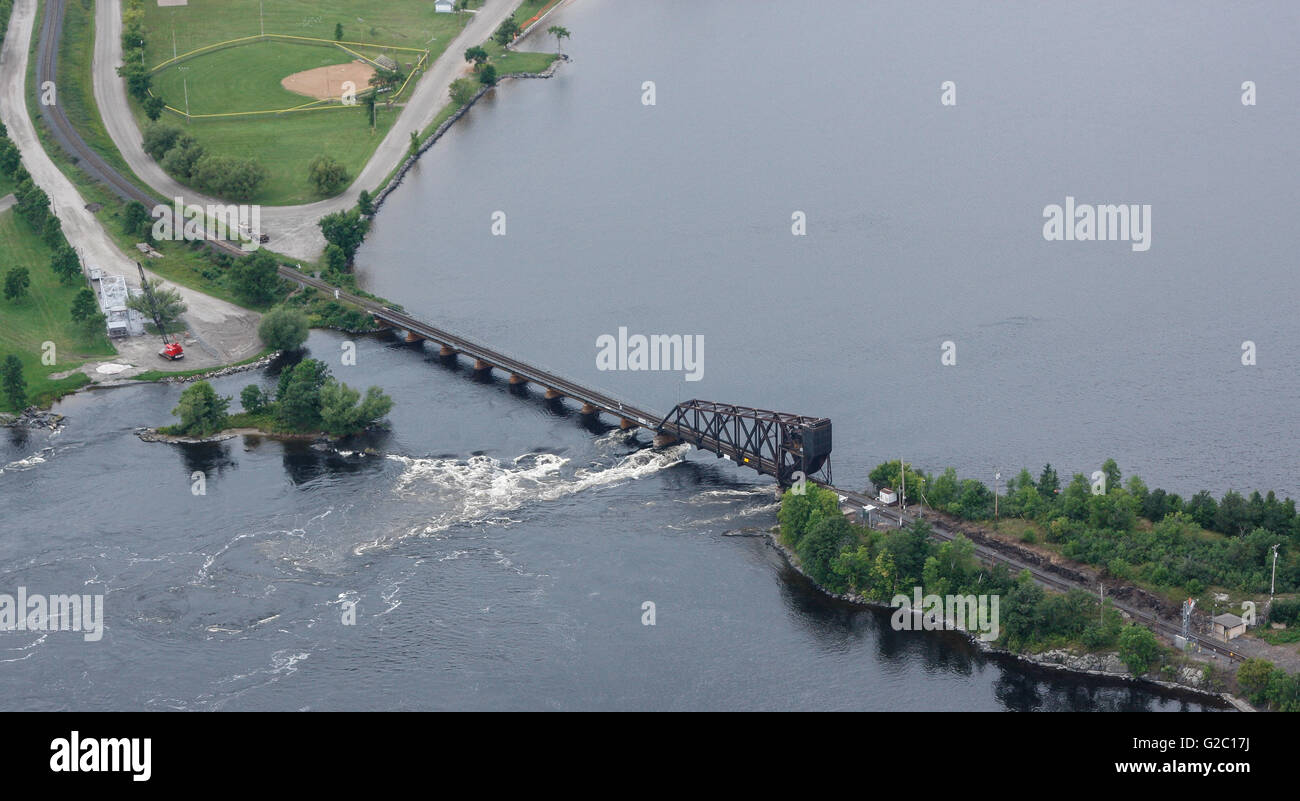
(113, 293)
(444, 6)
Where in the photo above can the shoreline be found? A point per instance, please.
(1035, 661)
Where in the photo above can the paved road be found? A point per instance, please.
(223, 332)
(7, 202)
(293, 229)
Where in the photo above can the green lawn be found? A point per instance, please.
(247, 78)
(41, 316)
(398, 23)
(244, 78)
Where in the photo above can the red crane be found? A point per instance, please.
(171, 349)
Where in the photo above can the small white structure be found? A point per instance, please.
(1228, 627)
(113, 293)
(888, 496)
(444, 6)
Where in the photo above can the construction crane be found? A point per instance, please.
(171, 349)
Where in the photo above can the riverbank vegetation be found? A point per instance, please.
(1266, 684)
(307, 400)
(1173, 546)
(843, 557)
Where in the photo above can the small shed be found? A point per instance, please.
(444, 6)
(1228, 627)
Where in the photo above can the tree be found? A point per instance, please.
(825, 540)
(342, 414)
(167, 302)
(136, 219)
(160, 138)
(800, 510)
(137, 78)
(386, 81)
(335, 258)
(347, 229)
(886, 474)
(66, 264)
(10, 159)
(488, 75)
(1048, 483)
(1203, 509)
(477, 56)
(183, 158)
(338, 31)
(284, 329)
(560, 33)
(462, 91)
(1138, 648)
(83, 305)
(12, 382)
(17, 280)
(225, 176)
(506, 32)
(365, 204)
(414, 147)
(1111, 470)
(1253, 677)
(252, 398)
(153, 107)
(256, 277)
(1231, 517)
(328, 175)
(298, 397)
(201, 410)
(52, 232)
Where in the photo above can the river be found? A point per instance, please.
(498, 554)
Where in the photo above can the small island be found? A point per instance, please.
(308, 403)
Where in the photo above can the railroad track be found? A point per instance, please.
(1042, 577)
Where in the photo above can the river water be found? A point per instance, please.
(498, 553)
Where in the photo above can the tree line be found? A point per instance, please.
(1132, 532)
(842, 556)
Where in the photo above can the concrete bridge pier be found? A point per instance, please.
(380, 323)
(589, 410)
(411, 336)
(625, 424)
(447, 352)
(552, 394)
(516, 379)
(664, 440)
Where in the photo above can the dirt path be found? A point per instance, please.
(221, 331)
(293, 228)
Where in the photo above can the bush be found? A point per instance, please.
(283, 329)
(328, 175)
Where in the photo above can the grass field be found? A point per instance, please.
(400, 23)
(41, 316)
(244, 78)
(247, 78)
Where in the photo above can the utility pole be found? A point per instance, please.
(186, 83)
(1272, 585)
(902, 491)
(173, 42)
(261, 19)
(996, 478)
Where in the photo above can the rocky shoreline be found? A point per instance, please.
(219, 372)
(1106, 665)
(154, 435)
(32, 417)
(396, 181)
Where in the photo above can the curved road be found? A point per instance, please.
(223, 331)
(293, 229)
